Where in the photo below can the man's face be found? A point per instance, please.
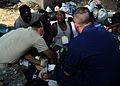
(26, 16)
(78, 27)
(41, 31)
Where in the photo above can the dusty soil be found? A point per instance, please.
(8, 16)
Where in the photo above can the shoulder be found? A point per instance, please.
(18, 22)
(69, 25)
(82, 39)
(54, 26)
(19, 19)
(34, 15)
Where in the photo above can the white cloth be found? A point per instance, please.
(52, 83)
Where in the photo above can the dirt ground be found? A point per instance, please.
(8, 16)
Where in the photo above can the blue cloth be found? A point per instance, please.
(93, 59)
(116, 35)
(3, 29)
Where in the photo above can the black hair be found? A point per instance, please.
(37, 24)
(41, 11)
(44, 13)
(57, 4)
(24, 8)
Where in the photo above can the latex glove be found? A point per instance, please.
(43, 62)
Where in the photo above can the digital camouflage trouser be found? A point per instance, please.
(12, 76)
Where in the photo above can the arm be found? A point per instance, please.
(17, 23)
(30, 58)
(40, 62)
(114, 25)
(50, 54)
(52, 33)
(72, 60)
(41, 46)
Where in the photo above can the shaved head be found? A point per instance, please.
(81, 15)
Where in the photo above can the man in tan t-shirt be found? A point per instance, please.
(16, 43)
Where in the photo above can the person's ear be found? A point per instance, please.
(41, 30)
(76, 25)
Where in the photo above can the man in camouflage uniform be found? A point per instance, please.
(11, 50)
(12, 76)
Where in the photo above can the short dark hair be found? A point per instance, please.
(37, 24)
(82, 10)
(24, 8)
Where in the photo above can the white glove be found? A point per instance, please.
(43, 62)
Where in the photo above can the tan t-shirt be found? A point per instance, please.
(15, 43)
(20, 23)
